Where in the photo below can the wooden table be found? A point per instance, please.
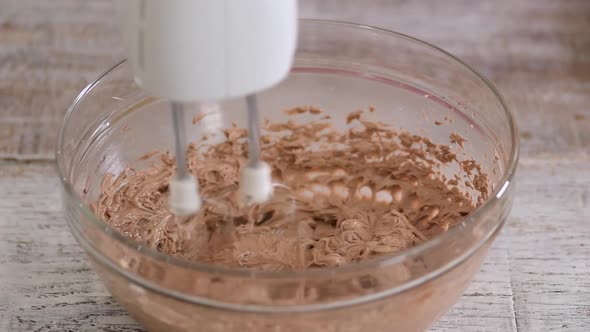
(536, 51)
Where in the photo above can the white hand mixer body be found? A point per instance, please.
(206, 50)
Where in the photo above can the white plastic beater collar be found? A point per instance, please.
(256, 183)
(184, 196)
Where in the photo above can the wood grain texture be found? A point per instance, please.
(49, 50)
(535, 278)
(537, 52)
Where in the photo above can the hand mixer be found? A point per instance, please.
(206, 51)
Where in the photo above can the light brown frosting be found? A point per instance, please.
(343, 195)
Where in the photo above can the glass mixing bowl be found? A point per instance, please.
(339, 67)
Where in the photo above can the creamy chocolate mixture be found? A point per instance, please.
(342, 196)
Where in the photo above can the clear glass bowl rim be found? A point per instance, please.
(505, 181)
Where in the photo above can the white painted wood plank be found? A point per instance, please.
(49, 50)
(46, 283)
(536, 51)
(550, 252)
(538, 266)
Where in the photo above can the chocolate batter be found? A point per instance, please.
(343, 196)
